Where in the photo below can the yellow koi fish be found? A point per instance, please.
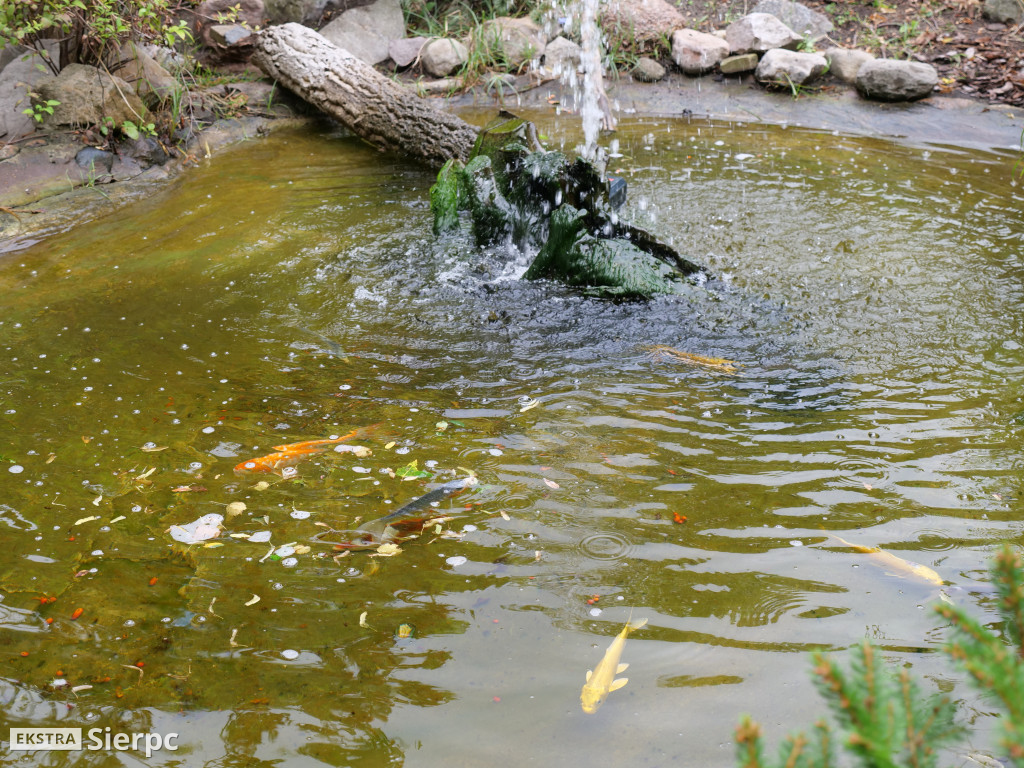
(895, 565)
(601, 680)
(665, 352)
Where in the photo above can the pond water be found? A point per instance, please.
(291, 290)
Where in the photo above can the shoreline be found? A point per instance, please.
(939, 120)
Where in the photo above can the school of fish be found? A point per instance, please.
(601, 680)
(291, 454)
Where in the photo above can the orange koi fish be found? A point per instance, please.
(292, 453)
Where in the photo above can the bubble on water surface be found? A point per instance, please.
(15, 469)
(290, 654)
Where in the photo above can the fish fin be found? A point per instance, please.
(621, 668)
(635, 627)
(590, 674)
(616, 684)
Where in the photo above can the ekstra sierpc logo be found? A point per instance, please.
(95, 739)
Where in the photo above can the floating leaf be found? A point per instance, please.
(550, 483)
(97, 500)
(51, 457)
(411, 470)
(118, 519)
(252, 601)
(531, 403)
(389, 446)
(441, 426)
(187, 488)
(87, 519)
(150, 448)
(387, 549)
(362, 619)
(235, 508)
(262, 485)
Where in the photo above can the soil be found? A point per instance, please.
(974, 56)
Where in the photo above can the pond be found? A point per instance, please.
(869, 291)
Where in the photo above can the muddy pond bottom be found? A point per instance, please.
(869, 292)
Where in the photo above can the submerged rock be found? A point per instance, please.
(516, 191)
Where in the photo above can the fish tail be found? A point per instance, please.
(635, 627)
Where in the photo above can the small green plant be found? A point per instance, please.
(40, 110)
(130, 129)
(886, 722)
(88, 29)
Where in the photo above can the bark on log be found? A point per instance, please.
(379, 110)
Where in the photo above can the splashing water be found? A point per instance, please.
(594, 110)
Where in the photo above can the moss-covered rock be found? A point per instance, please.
(444, 197)
(574, 256)
(517, 192)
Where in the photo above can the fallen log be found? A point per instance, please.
(384, 113)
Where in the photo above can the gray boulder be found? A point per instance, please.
(781, 67)
(442, 56)
(562, 55)
(893, 80)
(642, 21)
(697, 52)
(151, 82)
(88, 95)
(759, 32)
(647, 70)
(406, 50)
(17, 78)
(366, 32)
(797, 17)
(1005, 11)
(308, 12)
(211, 13)
(741, 62)
(845, 63)
(516, 40)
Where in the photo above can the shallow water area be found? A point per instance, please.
(291, 290)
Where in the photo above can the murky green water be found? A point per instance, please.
(291, 290)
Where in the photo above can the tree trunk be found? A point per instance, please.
(384, 113)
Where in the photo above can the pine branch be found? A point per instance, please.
(996, 667)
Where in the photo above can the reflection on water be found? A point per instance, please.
(292, 291)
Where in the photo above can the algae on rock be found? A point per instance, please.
(515, 191)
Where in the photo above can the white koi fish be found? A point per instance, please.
(601, 680)
(895, 565)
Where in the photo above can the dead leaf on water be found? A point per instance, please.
(262, 485)
(253, 600)
(87, 519)
(362, 619)
(504, 515)
(235, 508)
(387, 549)
(153, 448)
(51, 457)
(551, 483)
